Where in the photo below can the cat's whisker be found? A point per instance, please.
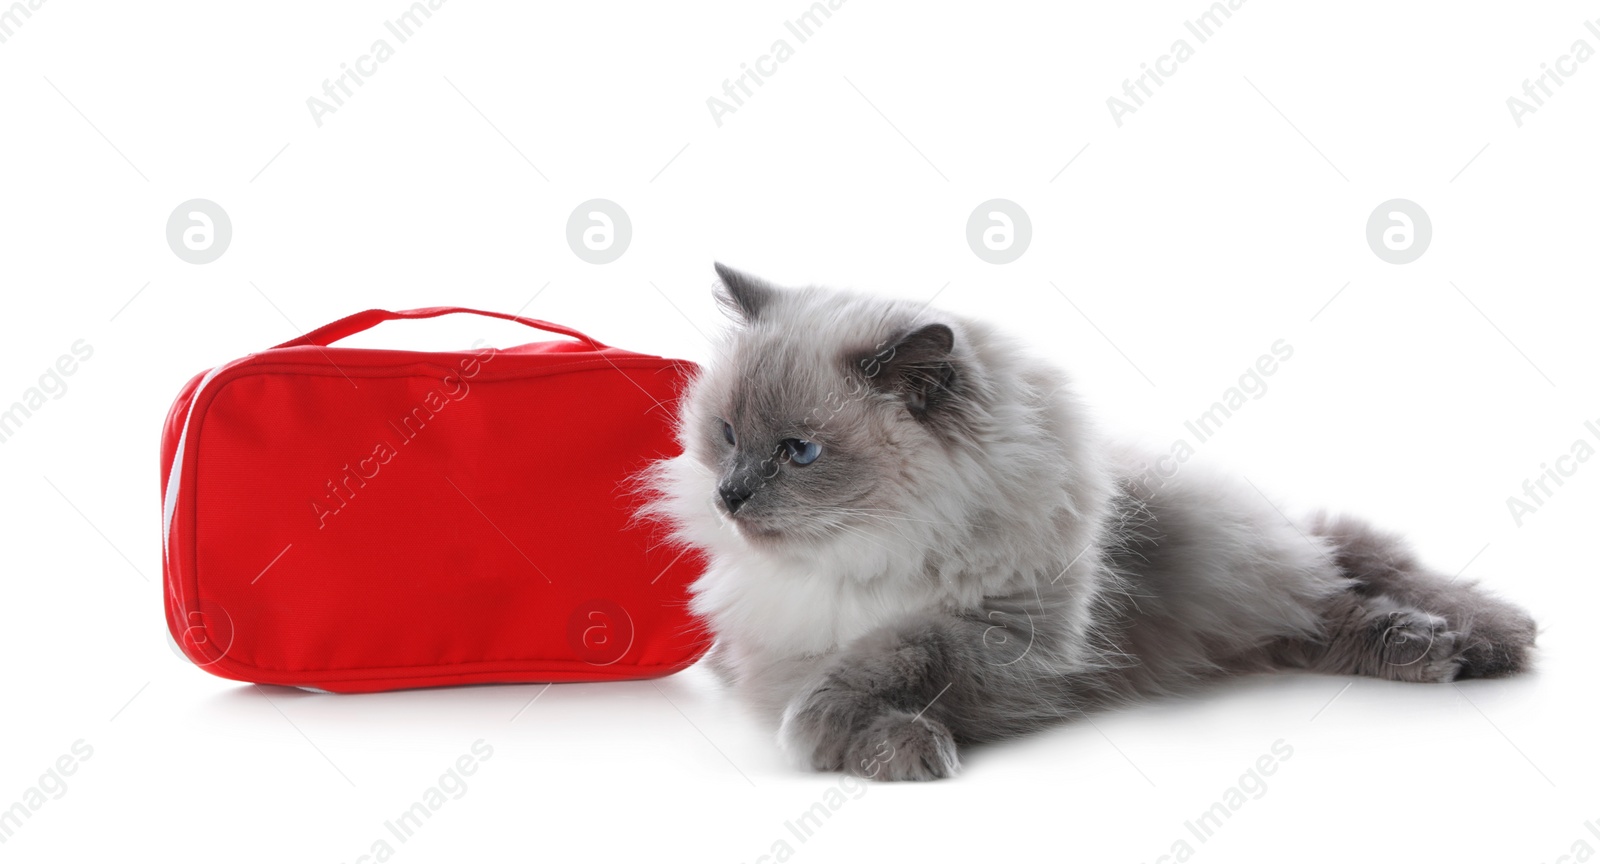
(890, 514)
(897, 529)
(853, 530)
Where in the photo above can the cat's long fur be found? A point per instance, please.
(968, 560)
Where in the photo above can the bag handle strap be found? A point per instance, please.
(350, 325)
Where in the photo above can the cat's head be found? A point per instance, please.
(829, 414)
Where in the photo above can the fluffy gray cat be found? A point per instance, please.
(917, 542)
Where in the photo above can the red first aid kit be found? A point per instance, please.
(356, 520)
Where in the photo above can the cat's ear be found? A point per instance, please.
(741, 294)
(919, 365)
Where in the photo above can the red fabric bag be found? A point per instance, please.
(357, 520)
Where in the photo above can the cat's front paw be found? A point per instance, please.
(817, 728)
(902, 746)
(842, 730)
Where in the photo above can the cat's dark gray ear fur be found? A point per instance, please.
(741, 294)
(919, 365)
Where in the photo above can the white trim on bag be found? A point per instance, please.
(169, 505)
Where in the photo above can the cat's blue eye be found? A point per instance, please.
(802, 452)
(727, 432)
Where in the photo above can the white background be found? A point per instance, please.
(1225, 214)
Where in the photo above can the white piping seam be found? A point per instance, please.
(169, 505)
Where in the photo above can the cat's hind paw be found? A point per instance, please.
(1417, 646)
